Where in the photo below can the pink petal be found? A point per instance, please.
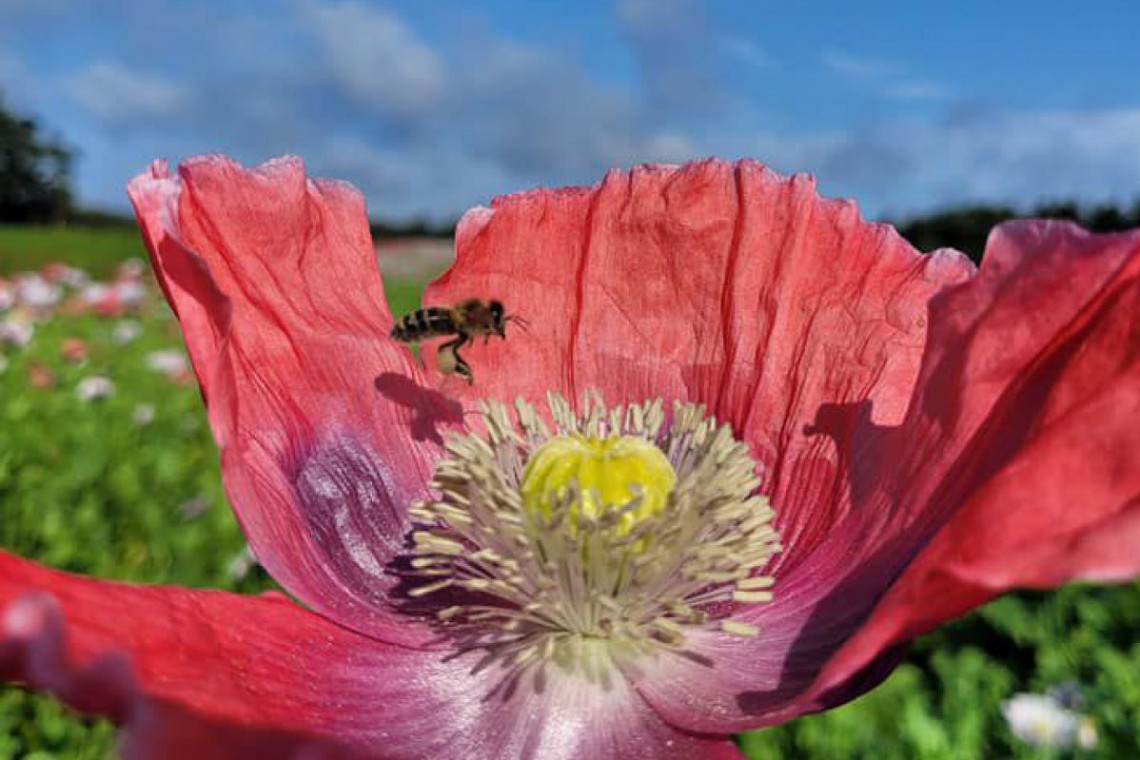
(316, 411)
(216, 674)
(565, 716)
(1016, 466)
(788, 315)
(1030, 393)
(191, 674)
(713, 282)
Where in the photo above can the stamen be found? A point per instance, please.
(612, 528)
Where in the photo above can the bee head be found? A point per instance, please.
(498, 318)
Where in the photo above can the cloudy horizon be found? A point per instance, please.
(433, 108)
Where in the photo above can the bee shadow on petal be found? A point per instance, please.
(429, 408)
(859, 442)
(844, 598)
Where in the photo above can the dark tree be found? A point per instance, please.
(968, 227)
(963, 228)
(35, 172)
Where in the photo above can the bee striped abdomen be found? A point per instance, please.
(424, 323)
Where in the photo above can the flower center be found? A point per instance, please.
(616, 471)
(610, 538)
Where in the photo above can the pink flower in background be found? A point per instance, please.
(73, 350)
(62, 274)
(111, 299)
(40, 377)
(897, 440)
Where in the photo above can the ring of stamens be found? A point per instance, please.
(545, 584)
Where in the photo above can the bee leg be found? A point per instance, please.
(463, 369)
(449, 360)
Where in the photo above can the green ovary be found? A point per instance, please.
(609, 473)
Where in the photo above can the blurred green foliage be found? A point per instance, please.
(97, 251)
(966, 228)
(944, 702)
(85, 488)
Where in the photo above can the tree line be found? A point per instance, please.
(35, 173)
(966, 228)
(35, 188)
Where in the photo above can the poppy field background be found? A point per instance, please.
(128, 487)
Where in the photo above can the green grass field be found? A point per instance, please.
(85, 487)
(98, 251)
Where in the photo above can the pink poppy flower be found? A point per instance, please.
(901, 439)
(73, 350)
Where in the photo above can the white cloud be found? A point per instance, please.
(432, 130)
(113, 93)
(1014, 157)
(536, 115)
(519, 116)
(387, 173)
(747, 52)
(859, 67)
(917, 90)
(668, 148)
(376, 60)
(676, 52)
(883, 77)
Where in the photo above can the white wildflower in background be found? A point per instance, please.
(95, 293)
(131, 269)
(169, 361)
(241, 564)
(36, 293)
(7, 295)
(130, 293)
(126, 331)
(16, 330)
(73, 277)
(192, 509)
(94, 387)
(143, 415)
(1041, 720)
(1067, 695)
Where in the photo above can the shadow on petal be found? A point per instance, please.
(429, 408)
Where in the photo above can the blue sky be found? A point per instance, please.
(432, 107)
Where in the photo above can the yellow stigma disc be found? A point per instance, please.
(608, 471)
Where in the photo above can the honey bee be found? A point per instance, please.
(466, 320)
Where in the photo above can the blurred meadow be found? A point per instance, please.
(944, 117)
(121, 480)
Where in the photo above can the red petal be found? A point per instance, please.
(1023, 430)
(205, 674)
(713, 282)
(275, 283)
(1030, 396)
